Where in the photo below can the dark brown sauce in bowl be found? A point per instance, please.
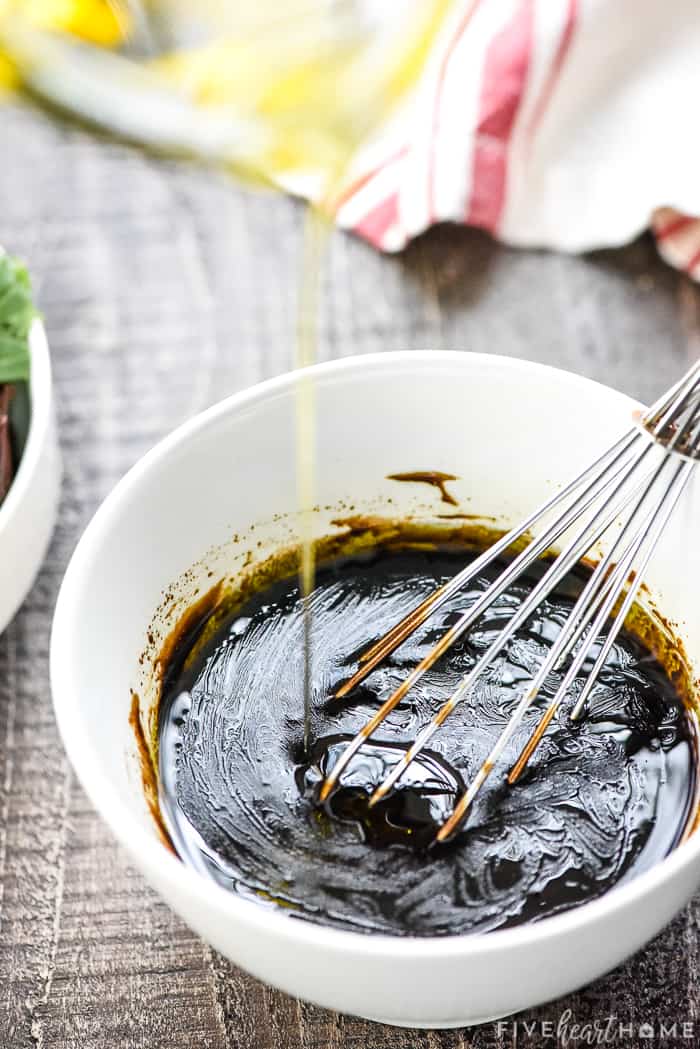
(601, 801)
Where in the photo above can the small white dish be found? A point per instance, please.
(28, 512)
(511, 431)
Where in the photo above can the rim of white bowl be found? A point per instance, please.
(39, 422)
(150, 852)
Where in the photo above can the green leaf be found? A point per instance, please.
(14, 359)
(16, 315)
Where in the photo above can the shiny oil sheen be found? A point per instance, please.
(601, 801)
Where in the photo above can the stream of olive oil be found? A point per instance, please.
(315, 236)
(369, 109)
(347, 134)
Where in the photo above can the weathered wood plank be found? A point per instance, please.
(165, 288)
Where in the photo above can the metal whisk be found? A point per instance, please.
(629, 492)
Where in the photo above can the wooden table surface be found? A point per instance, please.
(164, 288)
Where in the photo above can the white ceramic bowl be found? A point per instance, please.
(28, 512)
(510, 430)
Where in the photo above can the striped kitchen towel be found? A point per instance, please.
(565, 124)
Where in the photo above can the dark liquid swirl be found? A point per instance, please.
(601, 801)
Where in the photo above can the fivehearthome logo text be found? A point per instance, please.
(566, 1030)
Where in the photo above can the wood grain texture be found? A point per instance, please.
(165, 288)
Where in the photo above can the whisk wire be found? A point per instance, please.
(663, 511)
(512, 571)
(666, 403)
(673, 493)
(559, 568)
(403, 629)
(656, 531)
(593, 610)
(614, 490)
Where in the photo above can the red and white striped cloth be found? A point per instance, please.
(565, 124)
